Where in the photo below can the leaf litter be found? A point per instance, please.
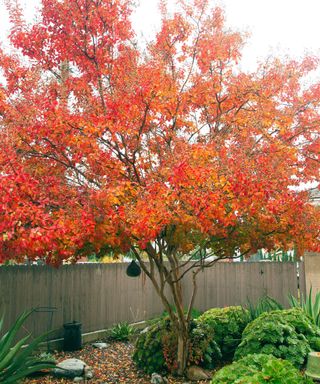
(112, 365)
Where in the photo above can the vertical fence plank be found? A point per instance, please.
(302, 280)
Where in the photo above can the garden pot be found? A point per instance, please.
(313, 365)
(72, 336)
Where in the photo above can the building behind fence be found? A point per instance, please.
(101, 295)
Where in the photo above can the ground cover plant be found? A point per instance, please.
(288, 334)
(168, 150)
(260, 369)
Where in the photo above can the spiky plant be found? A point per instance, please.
(17, 359)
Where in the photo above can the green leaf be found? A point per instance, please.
(16, 360)
(12, 352)
(28, 371)
(7, 339)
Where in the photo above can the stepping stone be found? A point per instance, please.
(70, 368)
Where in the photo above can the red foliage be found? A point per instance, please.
(103, 144)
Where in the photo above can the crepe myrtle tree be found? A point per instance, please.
(164, 150)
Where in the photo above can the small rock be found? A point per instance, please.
(78, 379)
(100, 345)
(195, 373)
(145, 330)
(158, 379)
(88, 372)
(70, 368)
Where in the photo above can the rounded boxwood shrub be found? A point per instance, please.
(156, 347)
(260, 368)
(287, 334)
(227, 324)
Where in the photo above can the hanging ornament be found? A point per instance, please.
(133, 269)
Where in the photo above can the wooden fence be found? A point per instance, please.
(100, 295)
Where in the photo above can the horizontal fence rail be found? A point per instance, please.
(101, 295)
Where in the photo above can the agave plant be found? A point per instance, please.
(17, 359)
(264, 304)
(309, 305)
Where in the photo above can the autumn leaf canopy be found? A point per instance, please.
(108, 143)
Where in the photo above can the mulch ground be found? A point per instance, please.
(111, 365)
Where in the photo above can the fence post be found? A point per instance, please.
(312, 271)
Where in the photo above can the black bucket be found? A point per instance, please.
(72, 336)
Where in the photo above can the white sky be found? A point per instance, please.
(276, 26)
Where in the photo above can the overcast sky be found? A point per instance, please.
(276, 26)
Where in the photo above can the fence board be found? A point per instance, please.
(302, 280)
(100, 295)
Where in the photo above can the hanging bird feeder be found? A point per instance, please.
(133, 269)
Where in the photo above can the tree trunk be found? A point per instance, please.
(182, 353)
(182, 325)
(171, 276)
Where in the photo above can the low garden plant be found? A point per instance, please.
(288, 334)
(260, 369)
(221, 334)
(121, 332)
(227, 325)
(148, 354)
(156, 347)
(203, 348)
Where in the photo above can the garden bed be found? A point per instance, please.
(112, 365)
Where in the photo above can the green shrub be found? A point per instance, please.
(148, 354)
(227, 324)
(287, 334)
(121, 332)
(260, 369)
(156, 348)
(17, 360)
(203, 349)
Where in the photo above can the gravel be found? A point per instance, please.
(112, 365)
